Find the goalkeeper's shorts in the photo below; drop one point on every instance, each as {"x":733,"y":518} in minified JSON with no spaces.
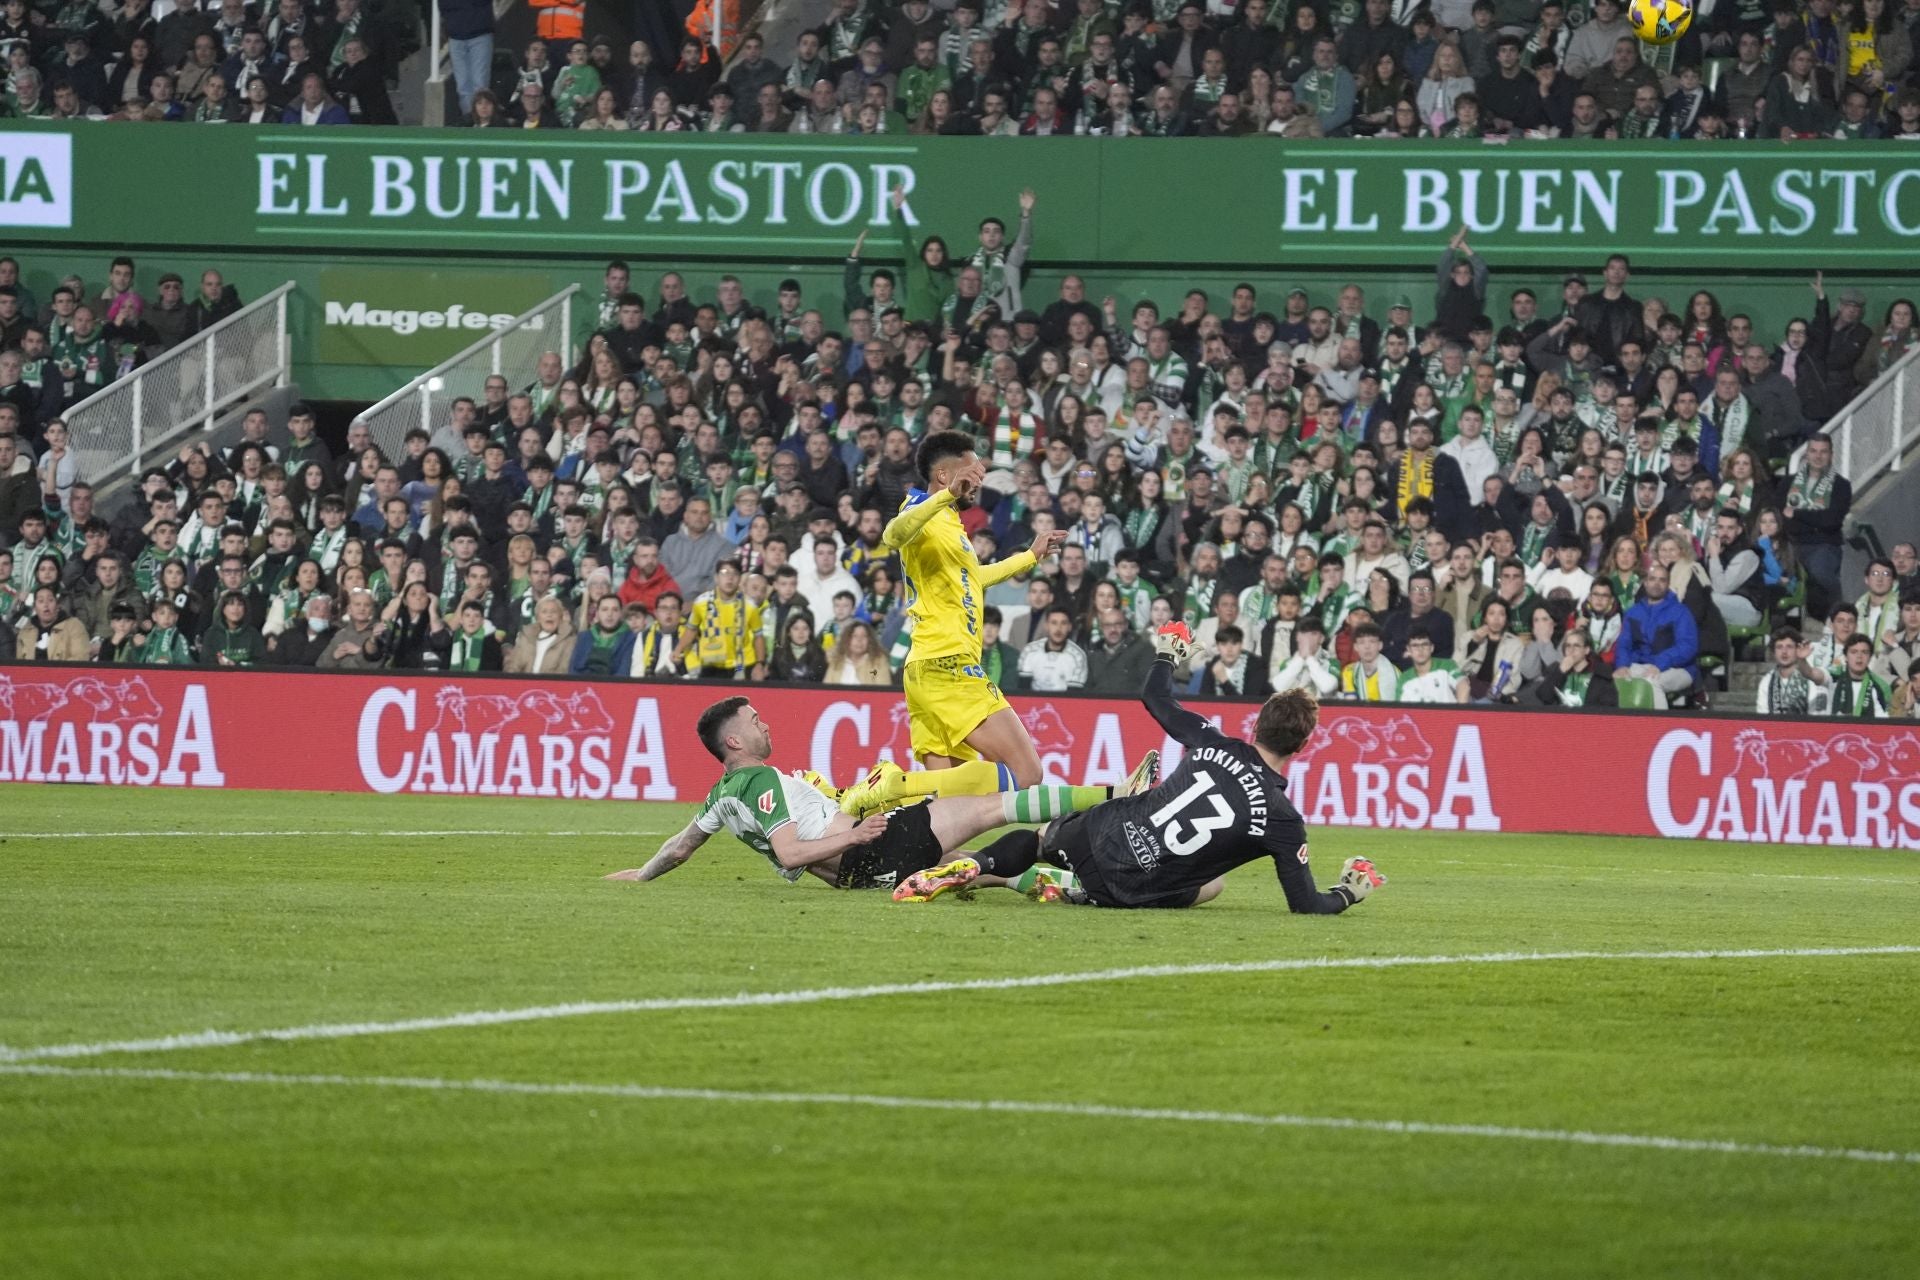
{"x":947,"y":698}
{"x":908,"y":845}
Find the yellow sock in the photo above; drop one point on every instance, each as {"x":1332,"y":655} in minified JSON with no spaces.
{"x":974,"y":778}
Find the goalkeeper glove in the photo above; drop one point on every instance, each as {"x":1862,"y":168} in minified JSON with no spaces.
{"x":1174,"y":641}
{"x":1357,"y":879}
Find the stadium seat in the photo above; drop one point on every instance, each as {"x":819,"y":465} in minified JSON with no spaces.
{"x":1635,"y":695}
{"x":1795,"y":599}
{"x":1759,"y":631}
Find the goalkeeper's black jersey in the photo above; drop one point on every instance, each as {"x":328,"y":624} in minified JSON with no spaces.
{"x":1221,"y":808}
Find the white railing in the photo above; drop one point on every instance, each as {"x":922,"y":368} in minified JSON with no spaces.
{"x":1873,"y":433}
{"x":117,"y":427}
{"x":512,"y":351}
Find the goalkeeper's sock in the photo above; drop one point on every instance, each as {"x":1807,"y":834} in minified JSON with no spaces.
{"x":1043,"y":803}
{"x":974,"y":778}
{"x":1012,"y":854}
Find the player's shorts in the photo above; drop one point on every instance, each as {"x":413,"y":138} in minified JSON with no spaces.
{"x":1068,"y":842}
{"x":947,"y":698}
{"x":907,"y":846}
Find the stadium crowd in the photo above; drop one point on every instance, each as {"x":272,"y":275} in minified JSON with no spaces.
{"x":1230,"y":68}
{"x":1153,"y":68}
{"x":214,"y":62}
{"x":1587,"y":502}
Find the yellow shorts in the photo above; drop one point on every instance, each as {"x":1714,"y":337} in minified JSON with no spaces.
{"x":947,"y":698}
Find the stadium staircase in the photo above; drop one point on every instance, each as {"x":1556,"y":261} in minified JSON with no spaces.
{"x":196,"y":391}
{"x":1876,"y":443}
{"x":513,"y":352}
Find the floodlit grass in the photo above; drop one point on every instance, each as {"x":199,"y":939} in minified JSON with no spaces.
{"x":309,"y":918}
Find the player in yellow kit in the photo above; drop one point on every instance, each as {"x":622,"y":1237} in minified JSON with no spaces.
{"x":964,"y":732}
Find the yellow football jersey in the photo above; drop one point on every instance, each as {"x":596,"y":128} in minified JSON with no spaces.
{"x":946,"y":583}
{"x":725,"y":630}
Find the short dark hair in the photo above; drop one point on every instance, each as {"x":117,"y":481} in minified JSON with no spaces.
{"x":937,"y":448}
{"x":1230,"y":635}
{"x":1286,"y":722}
{"x":713,"y":722}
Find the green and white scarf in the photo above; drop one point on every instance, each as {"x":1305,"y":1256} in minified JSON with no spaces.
{"x":1199,"y":594}
{"x":453,"y":577}
{"x":1656,"y":462}
{"x":992,"y":264}
{"x":1533,"y":542}
{"x":466,"y":652}
{"x":1810,"y":492}
{"x":165,"y":647}
{"x":146,"y":568}
{"x":326,"y":547}
{"x":1139,"y":524}
{"x":1731,"y":422}
{"x":1788,"y":695}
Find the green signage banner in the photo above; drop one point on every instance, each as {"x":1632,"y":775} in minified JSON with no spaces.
{"x":394,"y":315}
{"x":1201,"y":203}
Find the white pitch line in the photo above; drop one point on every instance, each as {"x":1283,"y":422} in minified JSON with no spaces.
{"x":818,"y":995}
{"x":995,"y":1106}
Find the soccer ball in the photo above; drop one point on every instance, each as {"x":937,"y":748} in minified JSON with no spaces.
{"x":1660,"y":21}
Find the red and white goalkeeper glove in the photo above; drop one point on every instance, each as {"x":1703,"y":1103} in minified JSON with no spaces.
{"x":1358,"y":878}
{"x":1174,"y":641}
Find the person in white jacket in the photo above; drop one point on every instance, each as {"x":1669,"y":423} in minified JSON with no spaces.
{"x":1470,"y":449}
{"x":1311,"y":666}
{"x":1562,"y":570}
{"x":823,"y":579}
{"x":1376,"y":552}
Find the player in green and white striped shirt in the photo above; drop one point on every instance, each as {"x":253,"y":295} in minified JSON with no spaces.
{"x":799,"y":827}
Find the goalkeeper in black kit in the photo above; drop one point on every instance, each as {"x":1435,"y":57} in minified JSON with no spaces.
{"x":1225,"y":805}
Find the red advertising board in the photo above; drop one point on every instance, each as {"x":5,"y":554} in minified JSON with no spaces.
{"x":1409,"y":768}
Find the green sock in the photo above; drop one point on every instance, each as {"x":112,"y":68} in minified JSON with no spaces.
{"x":1040,"y":871}
{"x":1044,"y":803}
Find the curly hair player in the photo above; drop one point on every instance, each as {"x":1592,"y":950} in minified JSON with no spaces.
{"x":1225,"y":805}
{"x":963,"y":730}
{"x":791,"y":822}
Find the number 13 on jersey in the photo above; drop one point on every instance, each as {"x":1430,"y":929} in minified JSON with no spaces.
{"x":1185,"y":826}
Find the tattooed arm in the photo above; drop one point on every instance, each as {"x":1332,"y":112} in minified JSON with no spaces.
{"x":675,"y":851}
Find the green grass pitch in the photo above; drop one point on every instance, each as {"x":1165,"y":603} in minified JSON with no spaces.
{"x":770,"y":1152}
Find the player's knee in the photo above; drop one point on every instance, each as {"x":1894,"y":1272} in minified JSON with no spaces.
{"x":1028,"y":773}
{"x":1211,"y":890}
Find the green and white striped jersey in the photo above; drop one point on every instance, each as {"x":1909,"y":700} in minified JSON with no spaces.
{"x":755,"y":802}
